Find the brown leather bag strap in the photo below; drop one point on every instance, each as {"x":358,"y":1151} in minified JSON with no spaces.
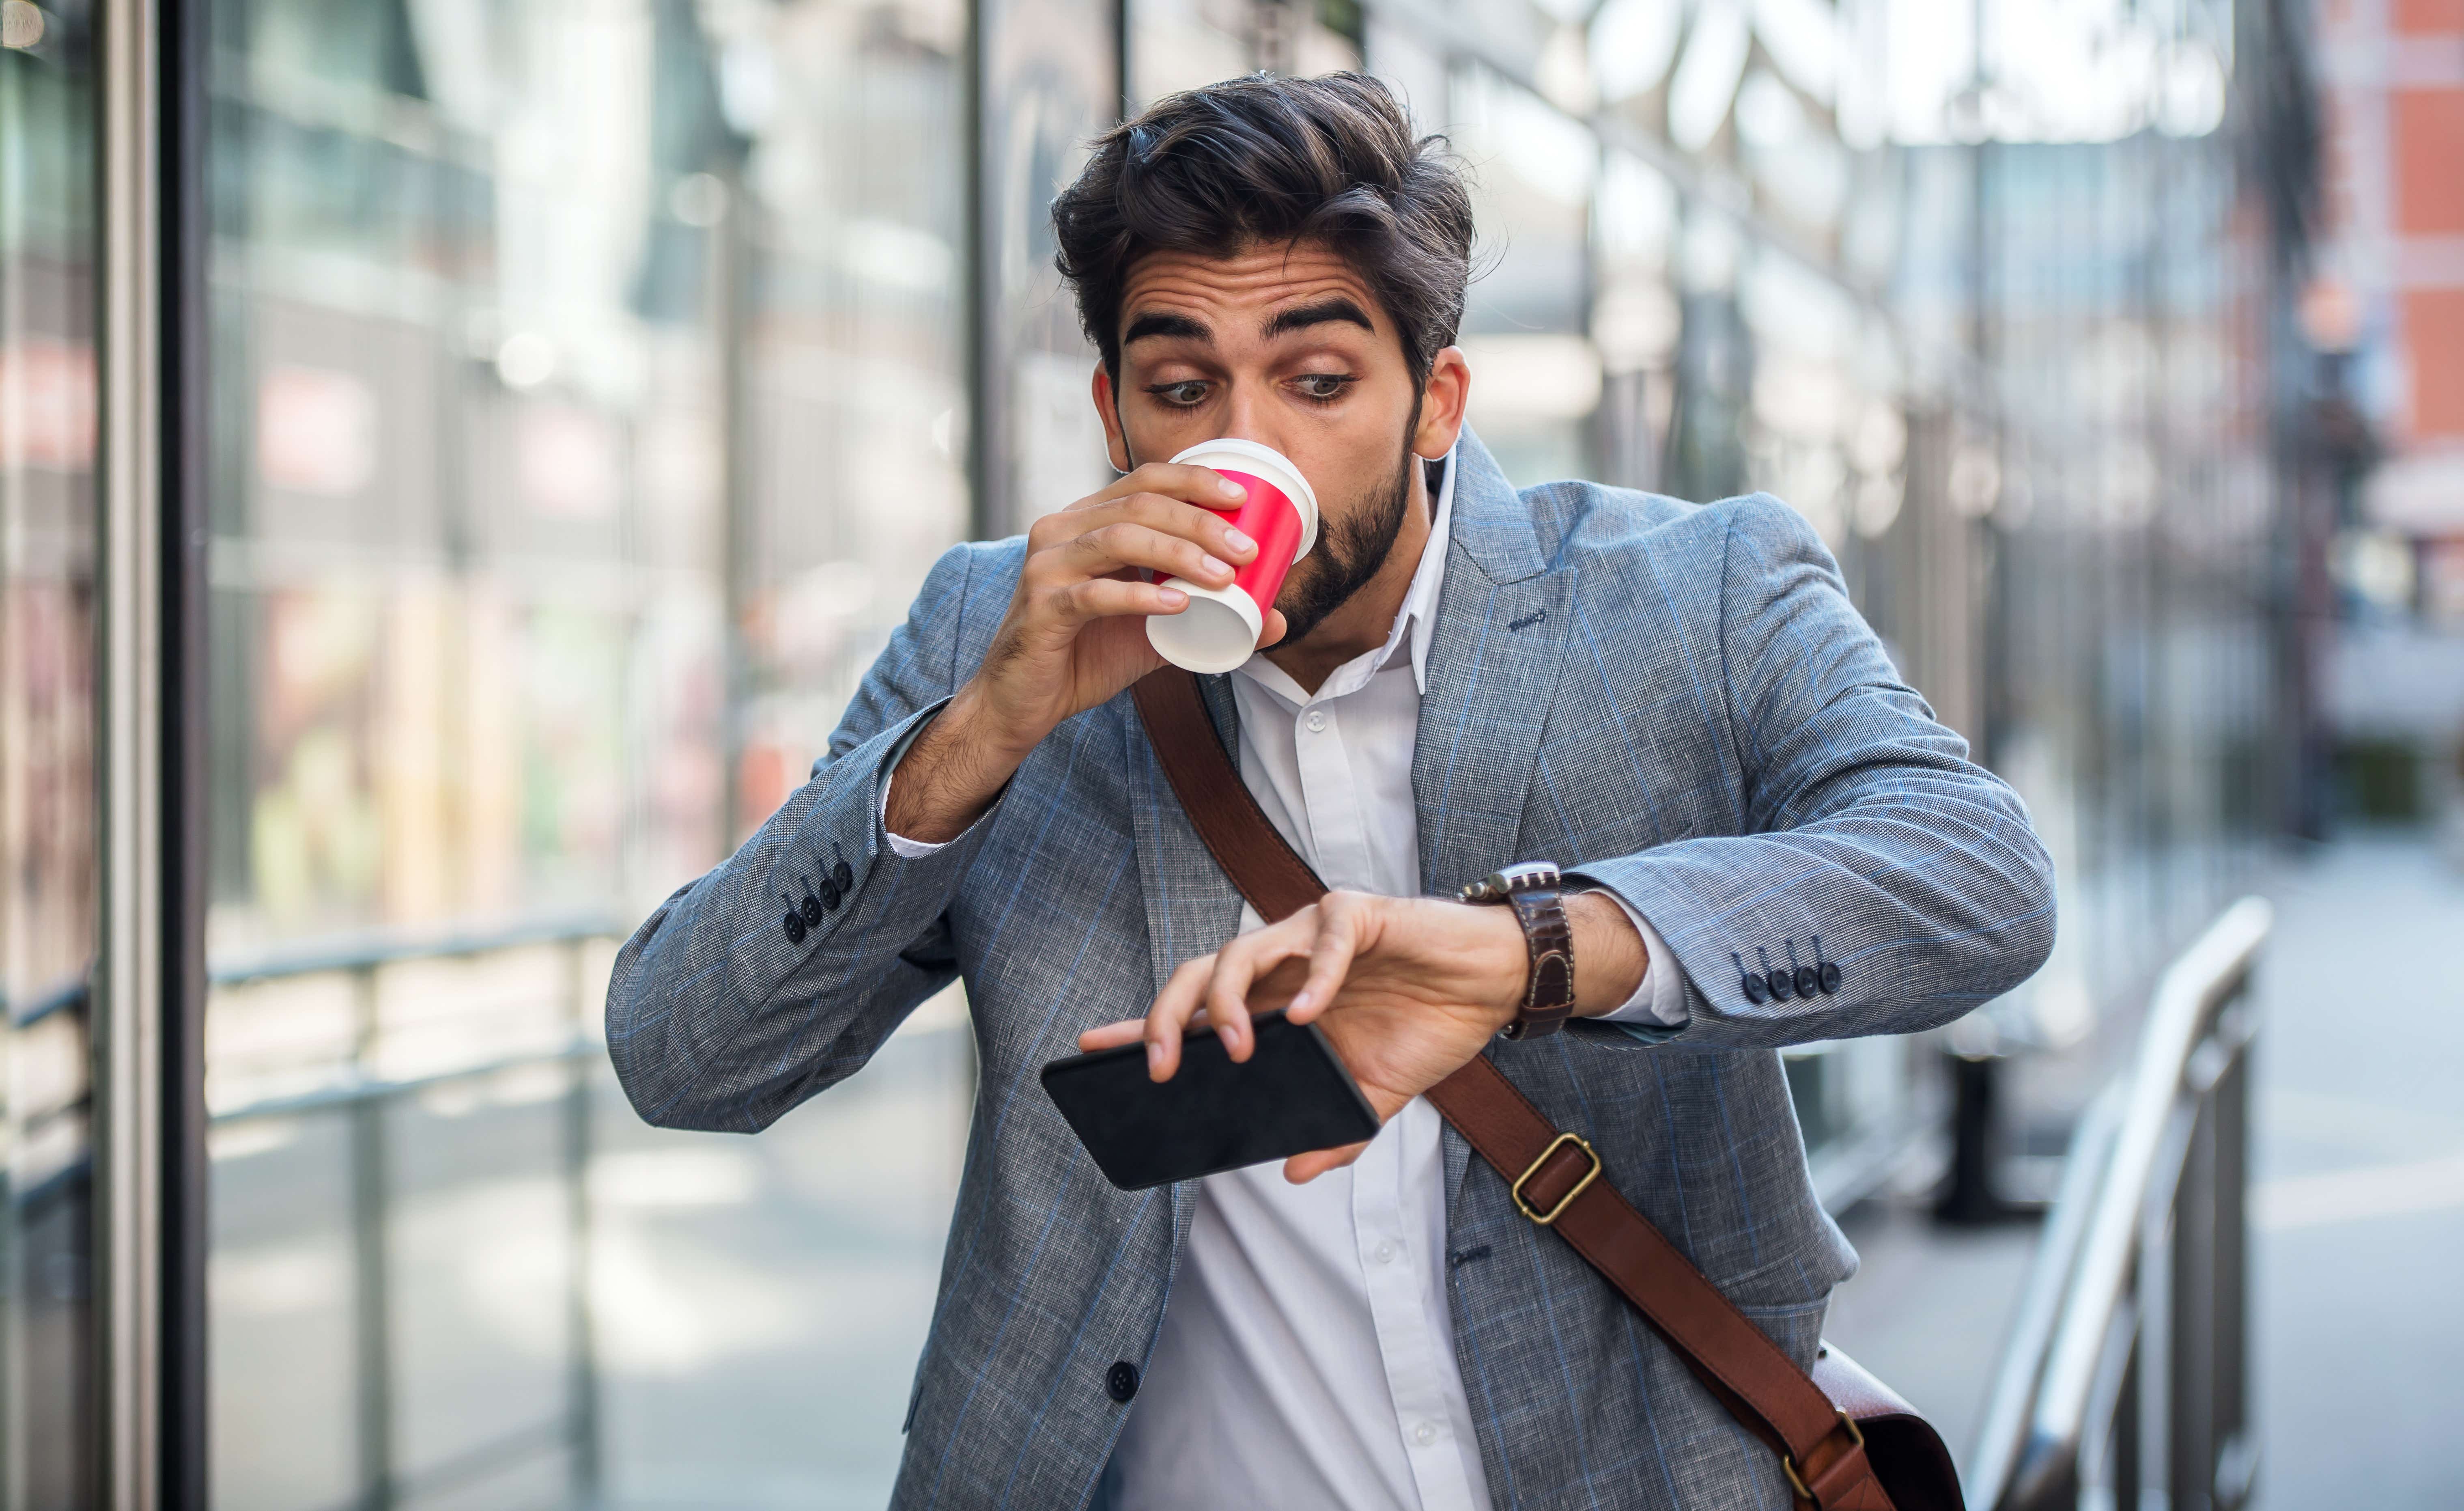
{"x":1553,"y":1177}
{"x":1263,"y":867}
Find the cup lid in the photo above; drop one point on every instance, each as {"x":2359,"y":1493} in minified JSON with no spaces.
{"x":1229,"y":454}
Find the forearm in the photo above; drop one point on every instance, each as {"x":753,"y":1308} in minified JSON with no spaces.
{"x":951,"y":775}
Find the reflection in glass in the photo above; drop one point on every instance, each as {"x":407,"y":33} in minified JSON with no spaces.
{"x":48,"y":887}
{"x":589,"y":399}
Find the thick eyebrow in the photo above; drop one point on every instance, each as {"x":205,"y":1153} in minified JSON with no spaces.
{"x":1181,"y":325}
{"x":1300,"y":317}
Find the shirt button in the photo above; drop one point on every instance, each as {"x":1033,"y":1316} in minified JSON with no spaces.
{"x":1425,"y":1433}
{"x":1317,"y":721}
{"x":1384,"y":1253}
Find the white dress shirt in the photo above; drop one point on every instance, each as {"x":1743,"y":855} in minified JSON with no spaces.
{"x":1306,"y":1355}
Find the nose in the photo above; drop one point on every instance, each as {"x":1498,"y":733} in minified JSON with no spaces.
{"x":1249,"y":418}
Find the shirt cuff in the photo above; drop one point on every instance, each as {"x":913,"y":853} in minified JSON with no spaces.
{"x":1660,"y":998}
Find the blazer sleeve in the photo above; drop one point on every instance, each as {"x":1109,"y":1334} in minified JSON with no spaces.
{"x":717,"y":1019}
{"x":1871,"y":841}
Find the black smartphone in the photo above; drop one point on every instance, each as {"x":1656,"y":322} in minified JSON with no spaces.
{"x":1291,"y":1097}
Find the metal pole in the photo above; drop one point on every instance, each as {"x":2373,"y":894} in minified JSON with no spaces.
{"x":129,"y":997}
{"x":729,"y":246}
{"x":182,"y":1393}
{"x":2237,"y":1454}
{"x":2126,"y":1433}
{"x":2189,"y":1443}
{"x":583,"y":1382}
{"x":371,"y":1291}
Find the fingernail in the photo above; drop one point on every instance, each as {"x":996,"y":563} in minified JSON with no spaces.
{"x":1239,"y":542}
{"x":1300,"y":1003}
{"x":1230,"y":489}
{"x":1213,"y":568}
{"x":1155,"y":1059}
{"x":1173,"y":597}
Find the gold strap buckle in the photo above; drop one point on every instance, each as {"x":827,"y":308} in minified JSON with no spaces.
{"x":1788,"y":1461}
{"x":1544,"y":1219}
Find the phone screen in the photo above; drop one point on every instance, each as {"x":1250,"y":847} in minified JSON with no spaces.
{"x":1291,"y":1097}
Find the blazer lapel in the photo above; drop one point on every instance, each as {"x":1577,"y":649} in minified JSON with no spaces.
{"x":1493,"y":657}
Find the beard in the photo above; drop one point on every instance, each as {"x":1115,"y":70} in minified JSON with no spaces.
{"x":1352,"y":543}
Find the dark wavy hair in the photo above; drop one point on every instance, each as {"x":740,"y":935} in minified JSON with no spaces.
{"x":1265,"y":161}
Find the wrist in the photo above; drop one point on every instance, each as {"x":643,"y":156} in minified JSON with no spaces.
{"x":1506,"y":957}
{"x":950,"y":775}
{"x":1609,"y":956}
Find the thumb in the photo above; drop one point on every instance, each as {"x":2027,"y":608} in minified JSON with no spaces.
{"x":1302,"y":1168}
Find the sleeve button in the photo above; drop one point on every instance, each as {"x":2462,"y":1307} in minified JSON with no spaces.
{"x":841,"y":877}
{"x":1121,"y":1381}
{"x":793,"y":926}
{"x":1755,"y":992}
{"x":1782,"y":988}
{"x":1830,"y":982}
{"x":1803,"y":980}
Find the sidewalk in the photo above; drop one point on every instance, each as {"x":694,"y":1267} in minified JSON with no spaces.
{"x":2358,"y":1298}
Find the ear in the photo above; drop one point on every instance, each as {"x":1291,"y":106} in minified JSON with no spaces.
{"x":1108,"y":408}
{"x":1442,"y":399}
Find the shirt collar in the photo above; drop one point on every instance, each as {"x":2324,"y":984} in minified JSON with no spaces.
{"x":1414,"y":624}
{"x":1420,"y":601}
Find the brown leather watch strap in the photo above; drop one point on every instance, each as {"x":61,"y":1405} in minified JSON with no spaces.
{"x":1535,"y":892}
{"x":1553,"y":1177}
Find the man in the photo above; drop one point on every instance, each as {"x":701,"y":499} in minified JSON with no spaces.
{"x":1768,"y":838}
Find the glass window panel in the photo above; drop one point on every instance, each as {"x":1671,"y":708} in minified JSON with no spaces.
{"x":48,"y":888}
{"x":590,"y":398}
{"x":1526,"y":322}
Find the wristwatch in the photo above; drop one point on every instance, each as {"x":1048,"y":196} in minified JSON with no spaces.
{"x":1532,"y":890}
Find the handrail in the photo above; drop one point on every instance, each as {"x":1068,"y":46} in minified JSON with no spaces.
{"x":355,"y":1089}
{"x":2031,"y":1331}
{"x":361,"y":951}
{"x":359,"y":1099}
{"x":59,"y":997}
{"x":2088,"y":1269}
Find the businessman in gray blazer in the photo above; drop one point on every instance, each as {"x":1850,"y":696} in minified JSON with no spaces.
{"x":1767,"y":839}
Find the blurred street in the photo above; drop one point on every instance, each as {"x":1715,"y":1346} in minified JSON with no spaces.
{"x":2358,"y":1211}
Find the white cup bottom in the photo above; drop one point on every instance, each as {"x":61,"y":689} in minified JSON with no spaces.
{"x":1216,"y":632}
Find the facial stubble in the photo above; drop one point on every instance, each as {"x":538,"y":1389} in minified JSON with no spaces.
{"x":1351,"y":545}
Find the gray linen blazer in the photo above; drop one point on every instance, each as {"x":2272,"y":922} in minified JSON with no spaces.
{"x":1677,"y":702}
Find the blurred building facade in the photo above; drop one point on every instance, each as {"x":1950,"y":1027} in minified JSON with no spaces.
{"x":2386,"y":310}
{"x":581,"y":388}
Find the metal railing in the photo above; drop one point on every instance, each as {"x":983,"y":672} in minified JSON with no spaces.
{"x":362,"y":1097}
{"x":2131,"y":1349}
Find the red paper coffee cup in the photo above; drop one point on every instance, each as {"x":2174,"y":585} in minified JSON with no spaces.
{"x":1220,"y":627}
